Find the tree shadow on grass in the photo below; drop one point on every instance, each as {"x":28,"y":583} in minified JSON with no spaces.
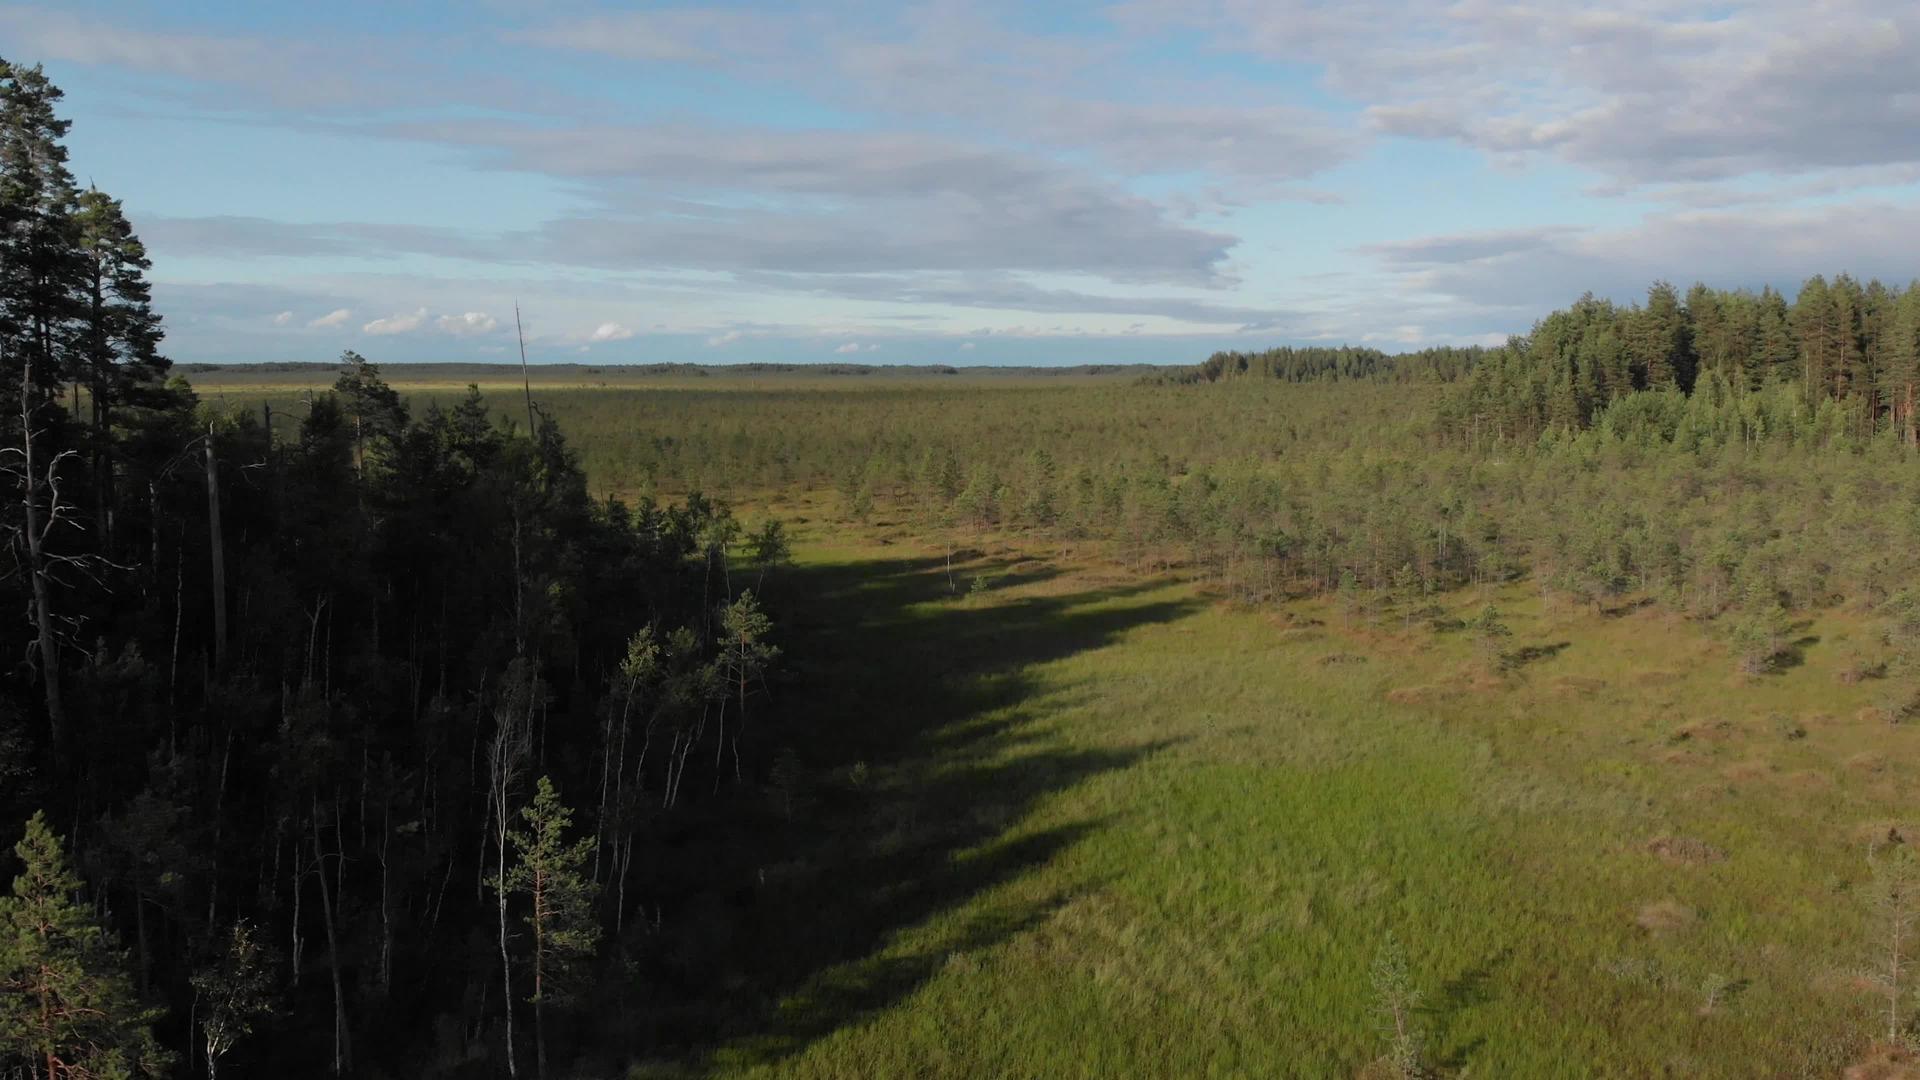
{"x":1467,"y":990}
{"x":1628,"y":607}
{"x":1527,"y":654}
{"x":1793,"y":654}
{"x":910,"y":720}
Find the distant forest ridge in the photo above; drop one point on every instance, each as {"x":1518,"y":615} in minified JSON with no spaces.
{"x":1841,"y":358}
{"x":1333,"y":363}
{"x":481,"y":370}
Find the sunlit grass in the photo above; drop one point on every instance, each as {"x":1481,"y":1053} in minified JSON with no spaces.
{"x":1302,"y":790}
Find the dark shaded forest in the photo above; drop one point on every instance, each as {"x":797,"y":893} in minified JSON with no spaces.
{"x":361,"y":727}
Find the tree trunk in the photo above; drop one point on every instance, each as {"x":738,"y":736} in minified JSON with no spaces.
{"x":47,"y":644}
{"x":217,"y":546}
{"x":500,"y":780}
{"x":506,"y":961}
{"x":386,"y":896}
{"x":342,"y":1053}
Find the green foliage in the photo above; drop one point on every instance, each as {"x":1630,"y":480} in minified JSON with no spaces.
{"x":768,"y":546}
{"x":1342,"y":364}
{"x":1349,"y":596}
{"x":787,"y":784}
{"x":1398,"y":1000}
{"x":1901,"y":634}
{"x":1894,"y":901}
{"x":1758,"y":635}
{"x":66,"y":1004}
{"x":1490,"y":634}
{"x":232,"y":994}
{"x":550,"y":872}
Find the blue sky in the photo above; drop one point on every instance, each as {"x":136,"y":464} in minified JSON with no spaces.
{"x":1140,"y":181}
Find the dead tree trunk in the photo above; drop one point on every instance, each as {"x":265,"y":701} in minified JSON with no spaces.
{"x":36,"y":529}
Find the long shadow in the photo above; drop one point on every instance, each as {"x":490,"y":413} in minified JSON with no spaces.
{"x":1459,"y":994}
{"x":1527,"y":654}
{"x":1794,"y":653}
{"x":905,"y":716}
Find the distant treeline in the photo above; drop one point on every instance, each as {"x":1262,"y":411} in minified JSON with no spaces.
{"x":1345,"y":363}
{"x":1843,"y":359}
{"x":450,"y":371}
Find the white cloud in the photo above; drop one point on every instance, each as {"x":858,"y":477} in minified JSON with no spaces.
{"x":336,"y":317}
{"x":473,"y":322}
{"x":610,"y":331}
{"x":283,"y":319}
{"x":718,"y":341}
{"x":1643,"y":92}
{"x":849,"y":347}
{"x":1526,"y":272}
{"x":966,"y":346}
{"x":396,"y":324}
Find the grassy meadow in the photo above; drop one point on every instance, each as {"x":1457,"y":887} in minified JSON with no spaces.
{"x":1159,"y":835}
{"x":1062,"y":810}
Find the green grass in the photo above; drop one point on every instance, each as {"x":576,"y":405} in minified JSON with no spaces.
{"x":1113,"y":828}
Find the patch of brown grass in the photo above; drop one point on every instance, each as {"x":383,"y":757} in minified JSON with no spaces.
{"x":1807,"y":780}
{"x":1879,"y":831}
{"x":1685,"y":850}
{"x":1577,"y":685}
{"x":1885,"y":1062}
{"x":1665,"y":917}
{"x":1707,"y":730}
{"x":1415,"y":695}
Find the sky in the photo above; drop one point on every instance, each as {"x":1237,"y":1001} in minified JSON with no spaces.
{"x":1060,"y":183}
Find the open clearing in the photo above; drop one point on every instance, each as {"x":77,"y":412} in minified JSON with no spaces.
{"x":1094,"y":824}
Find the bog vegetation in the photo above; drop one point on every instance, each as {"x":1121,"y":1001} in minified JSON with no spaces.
{"x":1534,"y":710}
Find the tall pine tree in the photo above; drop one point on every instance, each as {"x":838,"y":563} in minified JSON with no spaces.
{"x":67,"y":1007}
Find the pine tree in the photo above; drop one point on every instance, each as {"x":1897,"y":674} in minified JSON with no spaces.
{"x":119,"y":361}
{"x":1779,"y":355}
{"x":67,"y":1007}
{"x":1816,"y":331}
{"x":552,"y":873}
{"x":1900,"y":368}
{"x":1398,"y":1001}
{"x":1895,"y":899}
{"x":41,"y":275}
{"x":744,"y":657}
{"x":42,"y":267}
{"x":375,"y":409}
{"x":1662,"y":356}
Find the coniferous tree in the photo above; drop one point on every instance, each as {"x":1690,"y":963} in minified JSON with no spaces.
{"x":41,"y":273}
{"x":551,"y":872}
{"x":118,"y":361}
{"x":67,"y":1007}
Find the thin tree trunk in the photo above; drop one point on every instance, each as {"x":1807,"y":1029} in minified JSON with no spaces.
{"x":218,"y":549}
{"x":386,"y":894}
{"x":342,"y":1053}
{"x":48,"y":646}
{"x":500,"y":782}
